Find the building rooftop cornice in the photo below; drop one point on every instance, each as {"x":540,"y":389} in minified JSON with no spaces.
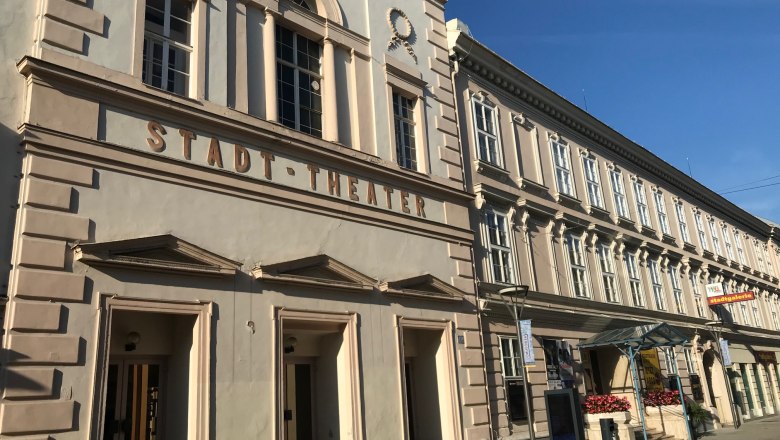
{"x":492,"y":68}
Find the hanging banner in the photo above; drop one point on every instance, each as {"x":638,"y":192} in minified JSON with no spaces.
{"x":724,"y":352}
{"x":528,"y":342}
{"x":652,"y":368}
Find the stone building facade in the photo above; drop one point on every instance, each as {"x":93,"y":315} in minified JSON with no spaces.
{"x":607,"y":236}
{"x":234,"y":219}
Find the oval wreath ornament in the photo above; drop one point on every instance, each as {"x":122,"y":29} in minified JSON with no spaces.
{"x":398,"y":37}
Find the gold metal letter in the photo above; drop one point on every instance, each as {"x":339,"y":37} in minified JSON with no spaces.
{"x":156,"y":142}
{"x":267,"y":159}
{"x":241,"y":159}
{"x":351,"y":182}
{"x":420,"y":203}
{"x":405,"y":202}
{"x":215,"y":153}
{"x":334,"y":183}
{"x":313,"y":171}
{"x":371,"y":194}
{"x":388,"y":191}
{"x":187,"y":138}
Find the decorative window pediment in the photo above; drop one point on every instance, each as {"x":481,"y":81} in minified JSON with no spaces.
{"x":423,"y":287}
{"x":317,"y":271}
{"x":160,"y":253}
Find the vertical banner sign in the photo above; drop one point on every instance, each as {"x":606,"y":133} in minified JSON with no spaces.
{"x":724,"y":350}
{"x":528,"y":341}
{"x":652,"y":368}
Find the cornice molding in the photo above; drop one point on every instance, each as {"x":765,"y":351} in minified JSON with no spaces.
{"x":495,"y":70}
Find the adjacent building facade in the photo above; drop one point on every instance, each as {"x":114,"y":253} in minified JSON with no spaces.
{"x":607,"y":236}
{"x":235,"y":219}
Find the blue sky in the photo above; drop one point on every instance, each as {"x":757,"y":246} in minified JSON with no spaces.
{"x":697,"y":79}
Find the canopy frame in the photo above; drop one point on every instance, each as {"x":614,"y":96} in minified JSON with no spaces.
{"x":630,"y":341}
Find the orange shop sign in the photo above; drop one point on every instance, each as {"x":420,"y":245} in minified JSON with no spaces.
{"x":732,"y":298}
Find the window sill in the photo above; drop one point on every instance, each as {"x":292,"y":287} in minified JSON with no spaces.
{"x":492,"y":170}
{"x":647,"y":230}
{"x":624,"y":222}
{"x":690,"y":247}
{"x":666,"y":238}
{"x":597,"y":211}
{"x":528,"y":184}
{"x":707,"y":254}
{"x":566,"y":199}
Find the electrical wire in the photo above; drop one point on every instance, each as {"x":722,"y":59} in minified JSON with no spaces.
{"x":748,"y":189}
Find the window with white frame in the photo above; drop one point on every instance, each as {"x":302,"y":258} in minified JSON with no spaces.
{"x":634,"y":279}
{"x":775,"y":316}
{"x":732,"y":313}
{"x":759,"y":255}
{"x":641,"y":203}
{"x":592,"y":181}
{"x":660,"y":208}
{"x":698,"y":300}
{"x":674,"y":278}
{"x":700,"y":231}
{"x":167,"y":47}
{"x":727,"y":242}
{"x":655,"y":282}
{"x":405,"y":144}
{"x":743,"y":308}
{"x":714,"y":235}
{"x":689,"y":362}
{"x":577,"y":268}
{"x":740,"y":249}
{"x":486,"y":130}
{"x":299,"y":81}
{"x":511,"y":366}
{"x":671,"y":368}
{"x":757,"y":315}
{"x":560,"y":152}
{"x":769,"y":269}
{"x":608,"y":278}
{"x":679,"y":209}
{"x":499,"y":246}
{"x":618,"y":193}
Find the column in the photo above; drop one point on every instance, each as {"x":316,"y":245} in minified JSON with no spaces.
{"x":752,"y":383}
{"x":329,"y":101}
{"x":269,"y":67}
{"x":766,"y":384}
{"x":240,"y":87}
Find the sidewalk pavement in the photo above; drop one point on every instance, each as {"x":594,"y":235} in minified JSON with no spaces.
{"x":765,"y":428}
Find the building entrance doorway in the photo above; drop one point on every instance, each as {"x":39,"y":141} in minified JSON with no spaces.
{"x":298,"y":401}
{"x":134,"y":393}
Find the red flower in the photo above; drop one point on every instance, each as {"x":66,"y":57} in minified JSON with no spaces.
{"x":604,"y":403}
{"x":659,"y":398}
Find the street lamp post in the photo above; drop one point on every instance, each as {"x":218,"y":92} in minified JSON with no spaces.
{"x":716,"y":328}
{"x":514,"y":292}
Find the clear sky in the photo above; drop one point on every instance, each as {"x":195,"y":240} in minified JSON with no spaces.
{"x":694,"y":80}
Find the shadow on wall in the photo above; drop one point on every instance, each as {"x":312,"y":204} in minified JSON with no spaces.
{"x":10,"y":173}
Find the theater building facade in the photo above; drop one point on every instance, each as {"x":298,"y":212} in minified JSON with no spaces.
{"x":606,"y":236}
{"x":235,"y":219}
